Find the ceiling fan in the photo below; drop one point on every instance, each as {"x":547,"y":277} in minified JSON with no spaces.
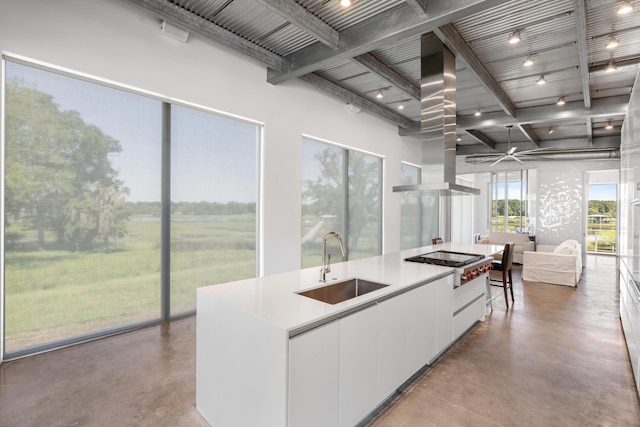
{"x":510,"y":154}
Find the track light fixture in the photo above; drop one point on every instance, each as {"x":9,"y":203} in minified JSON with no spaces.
{"x":401,"y":107}
{"x":541,"y":80}
{"x":528,"y":61}
{"x":514,"y":37}
{"x":551,"y":130}
{"x":477,"y":113}
{"x":609,"y":126}
{"x":624,"y":7}
{"x":612,"y":43}
{"x":345,"y":3}
{"x":379,"y":94}
{"x":610,"y":67}
{"x":458,"y":138}
{"x":561,"y":101}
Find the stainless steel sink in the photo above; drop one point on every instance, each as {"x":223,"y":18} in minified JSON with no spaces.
{"x":342,"y":291}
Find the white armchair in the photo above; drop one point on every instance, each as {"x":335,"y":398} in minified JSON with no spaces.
{"x":558,"y":265}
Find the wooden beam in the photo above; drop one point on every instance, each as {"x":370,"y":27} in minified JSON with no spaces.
{"x":583,"y":57}
{"x":387,"y":74}
{"x":482,"y":138}
{"x":528,"y":131}
{"x":419,"y":6}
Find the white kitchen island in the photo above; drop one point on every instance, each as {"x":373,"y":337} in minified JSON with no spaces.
{"x":267,"y":356}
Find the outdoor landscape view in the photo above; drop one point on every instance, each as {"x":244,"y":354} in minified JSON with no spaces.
{"x":83,"y":203}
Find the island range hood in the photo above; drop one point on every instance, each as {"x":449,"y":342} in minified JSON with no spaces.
{"x":438,"y":123}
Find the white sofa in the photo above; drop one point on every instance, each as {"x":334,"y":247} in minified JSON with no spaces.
{"x":558,"y":265}
{"x":521,"y":241}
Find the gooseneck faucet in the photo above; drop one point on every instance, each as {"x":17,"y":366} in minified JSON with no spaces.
{"x":326,"y":258}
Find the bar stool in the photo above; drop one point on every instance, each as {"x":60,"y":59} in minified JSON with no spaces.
{"x":505,"y":267}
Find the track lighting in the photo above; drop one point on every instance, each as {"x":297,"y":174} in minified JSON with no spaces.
{"x":609,"y":126}
{"x":528,"y":61}
{"x":541,"y":80}
{"x":345,"y":3}
{"x":514,"y":37}
{"x":477,"y":113}
{"x":458,"y":138}
{"x":610,"y":67}
{"x":612,"y":43}
{"x":551,"y":130}
{"x":379,"y":94}
{"x":561,"y":101}
{"x":401,"y":107}
{"x":624,"y":7}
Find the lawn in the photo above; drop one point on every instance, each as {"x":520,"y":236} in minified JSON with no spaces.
{"x":52,"y":295}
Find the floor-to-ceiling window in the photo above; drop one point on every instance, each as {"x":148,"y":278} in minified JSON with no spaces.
{"x":419,"y":213}
{"x":508,"y":203}
{"x":89,"y":172}
{"x":602,"y":211}
{"x":341,"y":192}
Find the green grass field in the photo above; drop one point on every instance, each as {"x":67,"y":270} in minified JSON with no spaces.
{"x":52,"y":295}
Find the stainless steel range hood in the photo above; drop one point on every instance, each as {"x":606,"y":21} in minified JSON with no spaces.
{"x":438,"y":122}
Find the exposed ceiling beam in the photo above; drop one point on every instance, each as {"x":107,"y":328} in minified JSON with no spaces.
{"x":387,"y":74}
{"x":589,"y":130}
{"x":611,"y":107}
{"x":305,"y":20}
{"x":383,"y":29}
{"x":601,"y":107}
{"x":419,"y":6}
{"x":605,"y":142}
{"x":583,"y":57}
{"x":348,"y":96}
{"x":176,"y":15}
{"x":482,"y":138}
{"x":454,"y":41}
{"x":528,"y":131}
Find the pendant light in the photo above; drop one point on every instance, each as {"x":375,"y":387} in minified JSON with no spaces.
{"x":612,"y":43}
{"x":541,"y":81}
{"x":514,"y":37}
{"x":624,"y":7}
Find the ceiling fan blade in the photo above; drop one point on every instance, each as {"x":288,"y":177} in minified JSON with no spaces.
{"x":517,"y":160}
{"x":497,"y":161}
{"x":512,"y":150}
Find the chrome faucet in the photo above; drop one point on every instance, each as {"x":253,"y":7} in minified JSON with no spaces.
{"x":326,"y":258}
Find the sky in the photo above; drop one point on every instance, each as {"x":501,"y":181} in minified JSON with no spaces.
{"x":213,"y":158}
{"x":602,"y":192}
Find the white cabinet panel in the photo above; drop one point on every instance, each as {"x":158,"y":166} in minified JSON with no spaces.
{"x":358,"y":365}
{"x":392,"y":339}
{"x":421,"y":328}
{"x":313,"y":377}
{"x":444,"y":313}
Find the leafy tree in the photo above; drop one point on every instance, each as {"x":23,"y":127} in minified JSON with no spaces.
{"x":54,"y":164}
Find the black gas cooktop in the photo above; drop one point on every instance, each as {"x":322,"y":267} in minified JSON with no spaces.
{"x":446,"y":258}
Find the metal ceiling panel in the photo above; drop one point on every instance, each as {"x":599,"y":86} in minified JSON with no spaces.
{"x":341,"y":18}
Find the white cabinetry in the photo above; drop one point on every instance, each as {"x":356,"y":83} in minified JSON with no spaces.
{"x":630,"y":318}
{"x":358,"y":364}
{"x":313,"y":377}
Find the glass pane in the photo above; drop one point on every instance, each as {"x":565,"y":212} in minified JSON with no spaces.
{"x":602,"y":219}
{"x":214,"y":192}
{"x":365,"y":205}
{"x":411,"y":210}
{"x":82,"y":205}
{"x":323,"y":198}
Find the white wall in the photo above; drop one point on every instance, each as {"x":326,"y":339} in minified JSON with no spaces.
{"x":116,"y":41}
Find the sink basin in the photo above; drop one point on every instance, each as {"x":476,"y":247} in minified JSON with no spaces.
{"x":341,"y":291}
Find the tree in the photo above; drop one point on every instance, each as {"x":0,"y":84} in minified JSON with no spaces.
{"x":53,"y":162}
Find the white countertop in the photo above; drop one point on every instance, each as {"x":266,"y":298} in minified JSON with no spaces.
{"x":273,"y":298}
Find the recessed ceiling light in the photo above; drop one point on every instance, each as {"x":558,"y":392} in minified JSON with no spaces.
{"x":528,"y":61}
{"x":379,"y":94}
{"x":612,"y":43}
{"x":561,"y":101}
{"x":514,"y":37}
{"x":609,"y":126}
{"x":477,"y":113}
{"x":541,"y":80}
{"x":401,"y":107}
{"x":345,"y":3}
{"x":624,"y":7}
{"x":610,"y":67}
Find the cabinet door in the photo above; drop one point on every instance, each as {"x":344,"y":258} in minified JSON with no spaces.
{"x":444,"y":313}
{"x":406,"y":336}
{"x":313,"y":377}
{"x":358,"y":364}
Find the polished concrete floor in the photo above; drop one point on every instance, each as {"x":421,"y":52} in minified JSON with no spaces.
{"x":556,"y":358}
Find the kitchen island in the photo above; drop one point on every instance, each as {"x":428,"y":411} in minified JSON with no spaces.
{"x":268,"y":356}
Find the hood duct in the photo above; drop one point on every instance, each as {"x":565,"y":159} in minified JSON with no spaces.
{"x":438,"y":122}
